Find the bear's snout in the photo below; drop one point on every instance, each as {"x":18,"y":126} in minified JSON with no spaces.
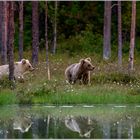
{"x":32,"y":69}
{"x":93,"y":67}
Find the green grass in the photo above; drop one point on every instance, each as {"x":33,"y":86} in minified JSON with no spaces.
{"x":7,"y":97}
{"x":109,"y":85}
{"x":99,"y":94}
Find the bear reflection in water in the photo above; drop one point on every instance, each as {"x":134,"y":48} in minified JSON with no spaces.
{"x":82,"y":125}
{"x":22,"y":123}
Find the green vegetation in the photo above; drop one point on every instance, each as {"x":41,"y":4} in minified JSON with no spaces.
{"x":7,"y":97}
{"x":109,"y":85}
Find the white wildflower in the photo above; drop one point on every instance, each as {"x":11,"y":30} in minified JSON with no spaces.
{"x":44,"y":84}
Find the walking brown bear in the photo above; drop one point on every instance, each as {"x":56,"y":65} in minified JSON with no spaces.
{"x":79,"y":71}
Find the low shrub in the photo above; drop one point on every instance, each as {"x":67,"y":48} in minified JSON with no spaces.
{"x":23,"y":96}
{"x":5,"y":83}
{"x":115,"y":78}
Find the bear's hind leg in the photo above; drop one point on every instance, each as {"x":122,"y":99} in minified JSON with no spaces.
{"x":73,"y":80}
{"x":69,"y":79}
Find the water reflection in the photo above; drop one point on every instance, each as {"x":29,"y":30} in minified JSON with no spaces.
{"x":77,"y":122}
{"x":22,"y":122}
{"x":82,"y":125}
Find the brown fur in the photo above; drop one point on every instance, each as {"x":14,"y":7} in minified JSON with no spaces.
{"x":79,"y":71}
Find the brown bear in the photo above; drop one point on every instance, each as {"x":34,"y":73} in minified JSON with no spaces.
{"x":20,"y":68}
{"x":79,"y":71}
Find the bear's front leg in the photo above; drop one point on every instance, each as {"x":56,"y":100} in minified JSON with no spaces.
{"x":80,"y":79}
{"x":86,"y":78}
{"x":21,"y":79}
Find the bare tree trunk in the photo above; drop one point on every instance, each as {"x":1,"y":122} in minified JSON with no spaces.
{"x":20,"y":30}
{"x":46,"y":38}
{"x":107,"y":30}
{"x":1,"y":5}
{"x":119,"y":34}
{"x":132,"y":37}
{"x":3,"y":32}
{"x":55,"y":30}
{"x":10,"y":41}
{"x":35,"y":32}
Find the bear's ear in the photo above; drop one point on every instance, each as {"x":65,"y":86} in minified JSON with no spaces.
{"x":23,"y":61}
{"x":89,"y":59}
{"x":82,"y":61}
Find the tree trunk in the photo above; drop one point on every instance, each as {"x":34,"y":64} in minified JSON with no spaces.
{"x":107,"y":30}
{"x":55,"y":30}
{"x":3,"y":32}
{"x":119,"y":34}
{"x":10,"y":40}
{"x":1,"y":9}
{"x":132,"y":37}
{"x":35,"y":32}
{"x":46,"y":38}
{"x":20,"y":30}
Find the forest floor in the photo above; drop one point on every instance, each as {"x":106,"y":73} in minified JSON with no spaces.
{"x":109,"y":84}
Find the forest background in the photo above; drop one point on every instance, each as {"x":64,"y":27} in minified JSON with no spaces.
{"x":79,"y":26}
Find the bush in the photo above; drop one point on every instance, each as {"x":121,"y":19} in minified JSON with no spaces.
{"x":119,"y":78}
{"x":43,"y":91}
{"x":5,"y":83}
{"x":86,"y":41}
{"x":24,"y":96}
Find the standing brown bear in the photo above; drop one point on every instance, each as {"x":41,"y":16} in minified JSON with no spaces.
{"x":79,"y":71}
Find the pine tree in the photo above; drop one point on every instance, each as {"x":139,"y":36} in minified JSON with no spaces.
{"x":10,"y":40}
{"x":107,"y":30}
{"x":3,"y":32}
{"x":46,"y":39}
{"x":20,"y":30}
{"x":132,"y":37}
{"x":119,"y":34}
{"x":35,"y":32}
{"x":55,"y":30}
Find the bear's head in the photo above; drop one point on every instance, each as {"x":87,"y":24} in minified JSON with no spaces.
{"x":26,"y":65}
{"x":86,"y":64}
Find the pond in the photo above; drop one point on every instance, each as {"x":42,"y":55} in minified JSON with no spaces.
{"x":82,"y":121}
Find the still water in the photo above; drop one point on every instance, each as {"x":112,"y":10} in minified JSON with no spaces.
{"x":97,"y":121}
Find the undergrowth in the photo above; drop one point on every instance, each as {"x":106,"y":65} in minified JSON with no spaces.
{"x":108,"y":84}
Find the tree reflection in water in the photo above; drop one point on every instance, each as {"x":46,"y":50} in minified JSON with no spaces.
{"x":39,"y":122}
